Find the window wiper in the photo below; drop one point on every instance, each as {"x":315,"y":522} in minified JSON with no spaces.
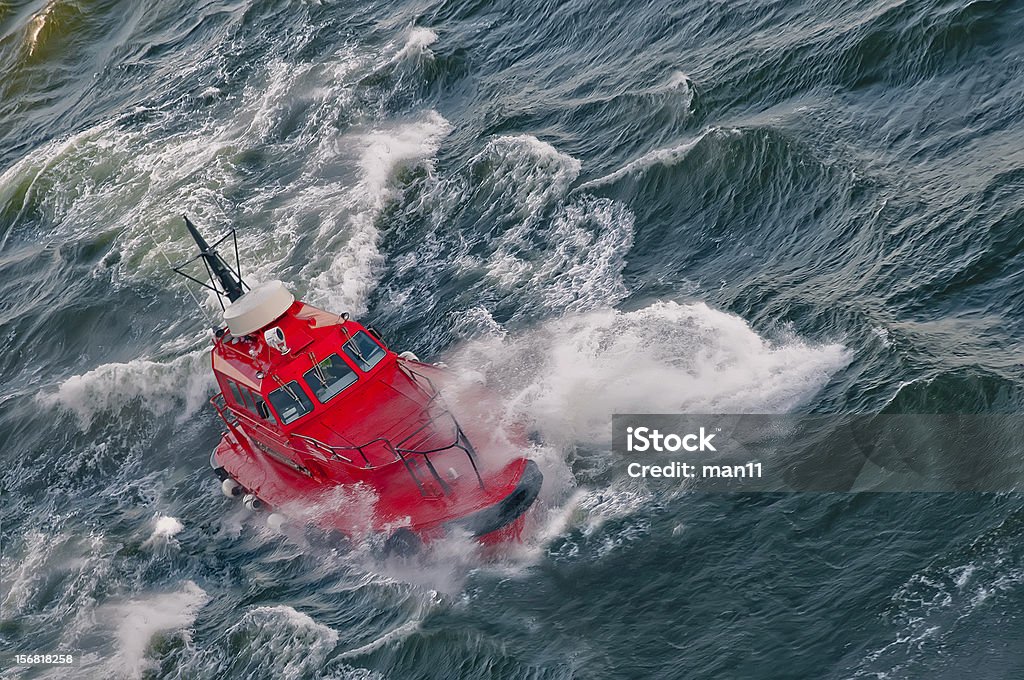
{"x":318,"y":371}
{"x":355,"y":348}
{"x":287,"y":389}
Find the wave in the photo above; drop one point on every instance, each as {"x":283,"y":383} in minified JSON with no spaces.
{"x":268,"y":641}
{"x":36,"y":26}
{"x":569,"y":375}
{"x":943,"y":604}
{"x":666,"y":157}
{"x":581,"y":256}
{"x":522,"y":176}
{"x":79,"y":561}
{"x":510,"y":216}
{"x":48,"y":569}
{"x":387,"y":638}
{"x":141,"y":619}
{"x":349,"y":275}
{"x":677,"y":81}
{"x":417,"y":44}
{"x":182,"y":384}
{"x":49,"y":28}
{"x":132,"y":175}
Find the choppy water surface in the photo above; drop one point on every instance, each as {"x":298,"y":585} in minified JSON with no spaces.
{"x":704,"y":206}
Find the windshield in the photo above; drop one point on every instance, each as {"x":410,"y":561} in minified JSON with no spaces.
{"x":290,"y":402}
{"x":329,"y":377}
{"x":363,"y":351}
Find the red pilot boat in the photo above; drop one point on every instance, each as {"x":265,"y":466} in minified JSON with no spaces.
{"x":324,"y":420}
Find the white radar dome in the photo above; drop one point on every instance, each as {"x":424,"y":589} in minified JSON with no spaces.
{"x":260,"y":307}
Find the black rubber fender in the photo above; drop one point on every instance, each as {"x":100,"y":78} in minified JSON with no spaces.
{"x":508,"y":509}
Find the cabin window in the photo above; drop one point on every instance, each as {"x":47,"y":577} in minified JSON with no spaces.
{"x":249,"y":400}
{"x":256,"y":404}
{"x":329,"y":377}
{"x":261,"y":407}
{"x":290,"y":402}
{"x":235,"y":395}
{"x":364,"y":352}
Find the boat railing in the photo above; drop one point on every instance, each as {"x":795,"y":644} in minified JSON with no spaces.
{"x":458,"y":440}
{"x":415,"y":376}
{"x":232,"y":417}
{"x":461,"y":441}
{"x":407,"y":454}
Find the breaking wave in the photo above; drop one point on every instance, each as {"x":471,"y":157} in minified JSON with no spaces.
{"x":570,"y":374}
{"x":182,"y":385}
{"x":345,"y":280}
{"x":141,"y":619}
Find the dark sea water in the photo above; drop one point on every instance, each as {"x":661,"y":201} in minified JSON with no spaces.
{"x":700,"y":206}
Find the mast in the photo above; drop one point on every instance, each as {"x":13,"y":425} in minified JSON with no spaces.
{"x":230,"y":281}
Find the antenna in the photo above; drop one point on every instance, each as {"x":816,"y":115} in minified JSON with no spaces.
{"x":217,"y":270}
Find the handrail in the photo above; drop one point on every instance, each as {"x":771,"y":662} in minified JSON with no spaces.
{"x":460,"y":436}
{"x":220,"y":404}
{"x":326,"y":448}
{"x":413,"y":374}
{"x":333,"y":450}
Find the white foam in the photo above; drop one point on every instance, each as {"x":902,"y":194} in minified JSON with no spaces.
{"x":591,"y":238}
{"x":883,"y":335}
{"x":344,"y":502}
{"x":140,"y":619}
{"x":165,"y":528}
{"x":352,"y":673}
{"x":109,"y":180}
{"x":569,"y":375}
{"x":417,"y":43}
{"x":182,"y":384}
{"x":440,"y":568}
{"x":621,"y":499}
{"x":118,"y":177}
{"x":353,"y":268}
{"x":322,"y":86}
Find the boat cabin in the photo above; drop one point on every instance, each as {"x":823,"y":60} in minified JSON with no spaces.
{"x":299,"y":365}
